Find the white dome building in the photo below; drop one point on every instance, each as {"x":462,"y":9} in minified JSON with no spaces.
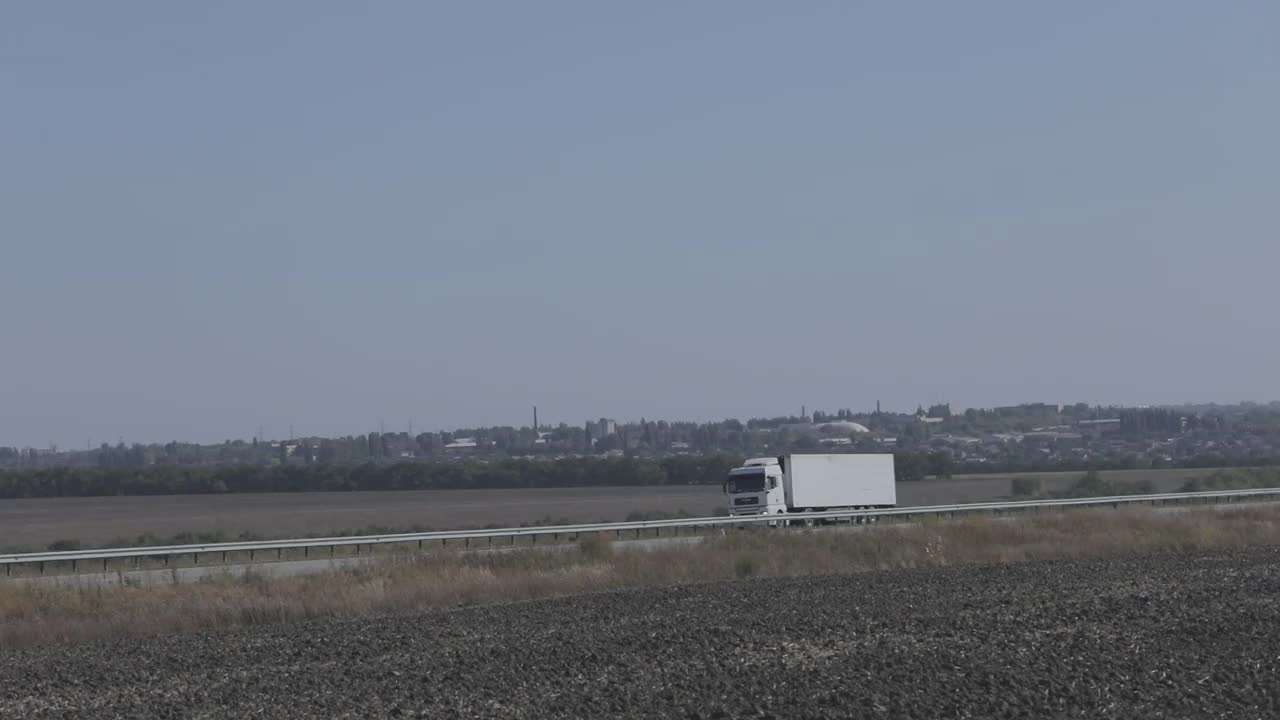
{"x":847,"y":427}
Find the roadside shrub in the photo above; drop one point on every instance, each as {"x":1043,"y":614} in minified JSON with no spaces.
{"x":64,"y":545}
{"x":1240,"y":479}
{"x":596,"y":547}
{"x":1092,"y":484}
{"x":745,"y":566}
{"x":1025,"y":486}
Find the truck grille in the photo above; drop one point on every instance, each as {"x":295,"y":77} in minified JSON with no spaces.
{"x":746,"y":501}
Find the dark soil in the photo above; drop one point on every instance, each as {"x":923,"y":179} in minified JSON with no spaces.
{"x":1172,"y":636}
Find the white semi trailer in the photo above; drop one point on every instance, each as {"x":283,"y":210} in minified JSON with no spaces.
{"x":811,"y":483}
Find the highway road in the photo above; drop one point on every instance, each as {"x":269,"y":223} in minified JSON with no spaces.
{"x":33,"y":524}
{"x":286,"y":568}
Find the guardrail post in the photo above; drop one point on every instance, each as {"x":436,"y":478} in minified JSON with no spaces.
{"x":332,"y":550}
{"x":250,"y":556}
{"x":279,"y":553}
{"x":466,"y":542}
{"x":104,"y":564}
{"x":41,"y":568}
{"x":73,"y":566}
{"x":224,"y":557}
{"x":195,"y":558}
{"x":306,"y":551}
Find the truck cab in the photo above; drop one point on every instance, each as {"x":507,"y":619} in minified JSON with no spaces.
{"x":756,"y":488}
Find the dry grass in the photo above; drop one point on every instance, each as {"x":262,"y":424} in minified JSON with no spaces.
{"x":35,"y":614}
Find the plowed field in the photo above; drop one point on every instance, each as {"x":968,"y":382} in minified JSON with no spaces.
{"x":1167,"y":636}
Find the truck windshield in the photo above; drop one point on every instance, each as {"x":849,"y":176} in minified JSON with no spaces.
{"x":746,"y":483}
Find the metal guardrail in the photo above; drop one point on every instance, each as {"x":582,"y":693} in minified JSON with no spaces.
{"x":467,"y":537}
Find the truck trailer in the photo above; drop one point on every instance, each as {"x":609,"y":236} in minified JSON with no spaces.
{"x":811,"y":483}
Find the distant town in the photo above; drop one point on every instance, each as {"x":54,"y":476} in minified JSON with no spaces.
{"x":1000,"y":439}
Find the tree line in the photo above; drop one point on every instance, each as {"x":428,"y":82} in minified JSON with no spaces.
{"x":1243,"y":428}
{"x":509,"y":474}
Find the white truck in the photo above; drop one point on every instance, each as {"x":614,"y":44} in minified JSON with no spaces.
{"x":811,"y":483}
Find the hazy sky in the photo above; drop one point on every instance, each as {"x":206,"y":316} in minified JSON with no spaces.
{"x":215,"y":216}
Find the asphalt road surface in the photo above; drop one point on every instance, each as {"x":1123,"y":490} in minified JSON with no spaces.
{"x":34,"y":523}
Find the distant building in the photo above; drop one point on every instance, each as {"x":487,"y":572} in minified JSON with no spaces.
{"x":606,"y":427}
{"x":1027,"y":408}
{"x":847,"y":427}
{"x":1098,"y":427}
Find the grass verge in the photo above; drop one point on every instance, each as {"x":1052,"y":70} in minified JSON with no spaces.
{"x":33,"y":614}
